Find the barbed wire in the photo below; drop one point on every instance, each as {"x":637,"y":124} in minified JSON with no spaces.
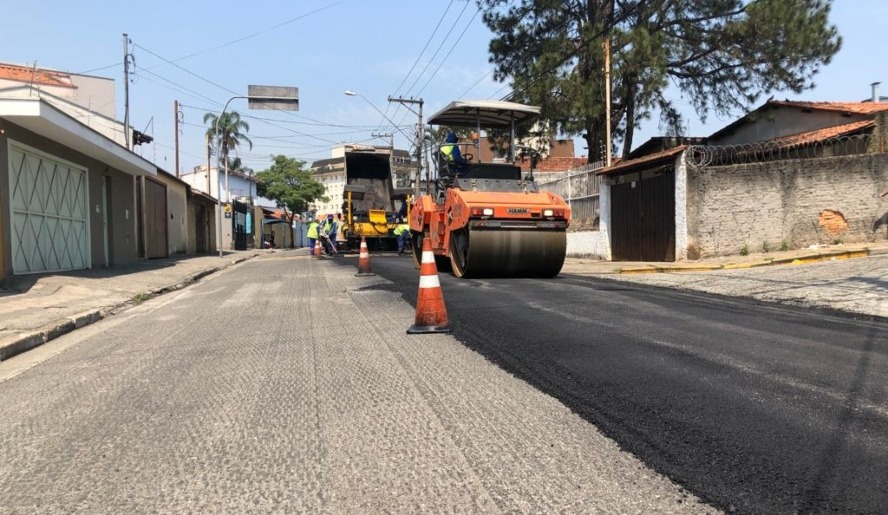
{"x":779,"y":150}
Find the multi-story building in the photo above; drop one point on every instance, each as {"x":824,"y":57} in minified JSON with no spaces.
{"x":331,"y":173}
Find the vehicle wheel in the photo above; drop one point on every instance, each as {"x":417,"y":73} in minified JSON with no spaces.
{"x":459,"y":251}
{"x":416,"y":244}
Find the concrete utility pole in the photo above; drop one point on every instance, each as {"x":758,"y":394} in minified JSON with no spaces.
{"x":126,"y":123}
{"x":209,"y":151}
{"x":407,"y":102}
{"x":607,"y":102}
{"x":176,"y":117}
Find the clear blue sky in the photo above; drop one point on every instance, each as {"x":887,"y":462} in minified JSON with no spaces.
{"x":202,"y":53}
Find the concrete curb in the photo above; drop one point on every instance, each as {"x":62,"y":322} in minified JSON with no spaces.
{"x":23,"y":342}
{"x":803,"y":259}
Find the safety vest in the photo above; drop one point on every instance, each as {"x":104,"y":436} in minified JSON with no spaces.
{"x":401,"y":229}
{"x":329,"y":226}
{"x":313,"y":230}
{"x":447,"y":150}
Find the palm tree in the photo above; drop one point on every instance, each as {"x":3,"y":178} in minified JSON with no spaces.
{"x":229,"y":130}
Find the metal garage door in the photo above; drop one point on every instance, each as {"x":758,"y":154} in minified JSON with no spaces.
{"x":48,"y":212}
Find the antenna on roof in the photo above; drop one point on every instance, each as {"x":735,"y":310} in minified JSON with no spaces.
{"x":33,"y":76}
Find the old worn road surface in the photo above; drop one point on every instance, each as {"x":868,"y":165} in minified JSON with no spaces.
{"x":288,"y":385}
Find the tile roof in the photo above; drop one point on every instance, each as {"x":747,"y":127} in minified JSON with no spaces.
{"x":844,"y":107}
{"x":553,"y":164}
{"x":814,"y":136}
{"x":36,"y":76}
{"x":650,"y":158}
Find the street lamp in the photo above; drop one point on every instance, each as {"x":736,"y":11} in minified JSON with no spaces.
{"x":259,"y":97}
{"x":351,"y":93}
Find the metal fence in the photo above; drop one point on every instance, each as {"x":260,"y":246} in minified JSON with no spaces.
{"x":779,"y":150}
{"x":580,"y":188}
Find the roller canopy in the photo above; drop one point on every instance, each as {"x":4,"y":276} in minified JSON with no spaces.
{"x":492,"y":113}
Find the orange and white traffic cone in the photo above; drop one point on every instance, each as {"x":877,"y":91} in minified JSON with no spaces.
{"x":364,"y":260}
{"x":318,"y":250}
{"x":431,"y":314}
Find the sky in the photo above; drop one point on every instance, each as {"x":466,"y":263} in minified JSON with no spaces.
{"x":203,"y":53}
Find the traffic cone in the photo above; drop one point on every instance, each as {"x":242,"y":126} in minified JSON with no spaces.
{"x":318,"y":250}
{"x":431,"y":314}
{"x":364,"y":260}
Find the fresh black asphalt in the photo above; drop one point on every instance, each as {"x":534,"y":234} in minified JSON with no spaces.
{"x":755,"y":408}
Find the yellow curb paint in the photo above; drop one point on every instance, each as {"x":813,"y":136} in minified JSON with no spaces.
{"x":639,"y":270}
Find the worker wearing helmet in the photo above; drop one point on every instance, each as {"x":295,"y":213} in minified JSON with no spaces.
{"x":312,"y":236}
{"x":450,"y":150}
{"x":328,"y":232}
{"x":402,"y":231}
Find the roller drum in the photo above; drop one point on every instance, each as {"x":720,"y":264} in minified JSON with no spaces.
{"x":507,"y":253}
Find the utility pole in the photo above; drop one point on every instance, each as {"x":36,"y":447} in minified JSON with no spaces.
{"x":607,"y":102}
{"x":209,"y":149}
{"x":421,"y":136}
{"x":176,"y":117}
{"x":126,"y":123}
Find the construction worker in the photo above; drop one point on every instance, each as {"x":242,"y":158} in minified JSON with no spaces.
{"x":312,"y":236}
{"x":402,"y":231}
{"x":328,"y":230}
{"x":455,"y":161}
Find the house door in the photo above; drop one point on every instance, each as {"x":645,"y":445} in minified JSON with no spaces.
{"x":48,"y":212}
{"x":643,"y":218}
{"x":155,"y":219}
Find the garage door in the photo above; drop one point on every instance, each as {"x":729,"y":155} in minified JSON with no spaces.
{"x":643,"y":218}
{"x":48,"y":212}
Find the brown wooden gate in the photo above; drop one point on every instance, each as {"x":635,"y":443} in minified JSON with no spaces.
{"x":643,"y":218}
{"x":155,"y":219}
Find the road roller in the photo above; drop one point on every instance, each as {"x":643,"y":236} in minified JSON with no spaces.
{"x":488,"y":219}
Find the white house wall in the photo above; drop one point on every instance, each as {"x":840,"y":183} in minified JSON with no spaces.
{"x":681,"y":207}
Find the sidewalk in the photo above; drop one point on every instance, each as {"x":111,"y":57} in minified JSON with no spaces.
{"x":37,"y":308}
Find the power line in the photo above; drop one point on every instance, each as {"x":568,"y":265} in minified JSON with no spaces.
{"x":263,"y":31}
{"x":421,"y":52}
{"x":466,"y":92}
{"x":99,"y":69}
{"x":455,"y":43}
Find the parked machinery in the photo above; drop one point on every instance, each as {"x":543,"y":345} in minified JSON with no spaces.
{"x":489,"y":220}
{"x":370,"y":202}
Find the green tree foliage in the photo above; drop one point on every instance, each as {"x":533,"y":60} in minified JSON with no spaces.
{"x":227,"y":132}
{"x":290,"y":185}
{"x":723,"y":55}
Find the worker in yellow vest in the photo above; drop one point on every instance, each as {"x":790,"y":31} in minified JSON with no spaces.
{"x":312,"y":236}
{"x":402,"y":231}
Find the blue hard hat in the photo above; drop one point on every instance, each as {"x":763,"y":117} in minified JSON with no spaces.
{"x":451,"y":137}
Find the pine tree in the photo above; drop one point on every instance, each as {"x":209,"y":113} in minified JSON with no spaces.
{"x":722,"y":55}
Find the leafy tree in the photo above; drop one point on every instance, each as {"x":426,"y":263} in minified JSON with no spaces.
{"x":721,"y":54}
{"x":290,"y":185}
{"x":227,"y":132}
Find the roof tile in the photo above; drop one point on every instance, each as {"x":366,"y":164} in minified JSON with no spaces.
{"x":35,"y":76}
